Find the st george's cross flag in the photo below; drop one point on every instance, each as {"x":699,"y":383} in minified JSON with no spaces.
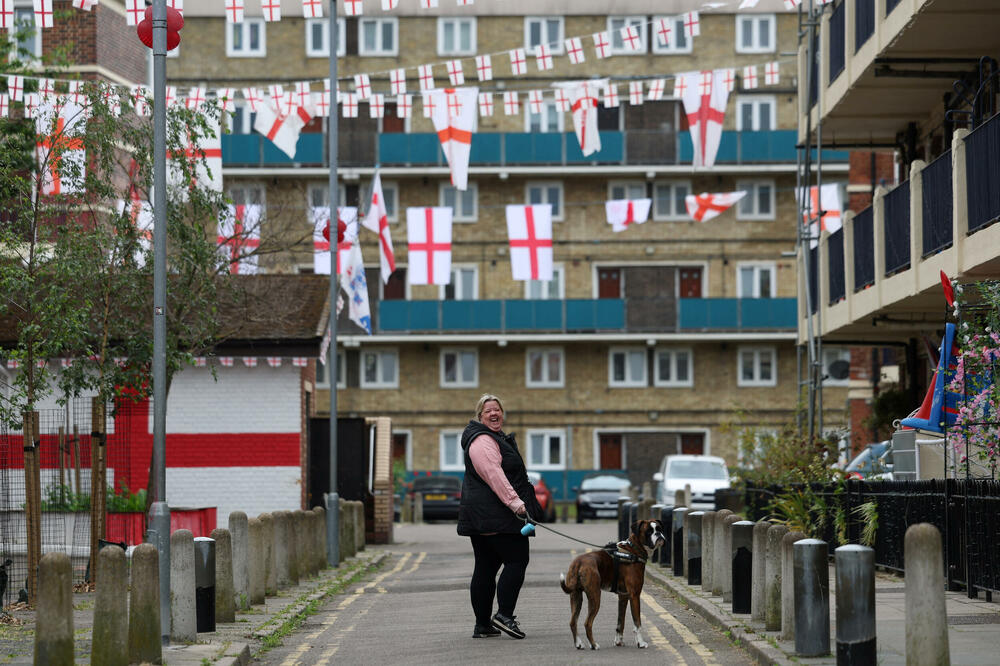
{"x":141,"y":214}
{"x":704,"y":95}
{"x":377,"y":220}
{"x":239,"y":237}
{"x":428,"y":236}
{"x":703,"y":207}
{"x":59,"y":147}
{"x":203,"y":161}
{"x":455,"y":115}
{"x":824,"y":203}
{"x":623,"y":213}
{"x":321,"y":244}
{"x":583,"y":105}
{"x":529,"y":229}
{"x":355,"y":286}
{"x":283,"y":128}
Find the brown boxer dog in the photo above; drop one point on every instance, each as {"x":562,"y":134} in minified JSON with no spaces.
{"x":619,"y":568}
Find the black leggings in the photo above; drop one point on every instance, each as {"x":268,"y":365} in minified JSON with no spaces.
{"x":492,"y":552}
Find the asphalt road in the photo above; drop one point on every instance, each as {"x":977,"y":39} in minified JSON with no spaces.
{"x":415,"y":610}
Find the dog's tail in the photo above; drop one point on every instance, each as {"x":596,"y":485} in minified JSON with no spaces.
{"x":562,"y":583}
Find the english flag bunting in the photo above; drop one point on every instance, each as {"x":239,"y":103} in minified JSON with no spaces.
{"x":355,"y":286}
{"x":823,"y":202}
{"x":321,"y":245}
{"x":704,"y":95}
{"x":454,"y":115}
{"x":239,"y":237}
{"x":529,"y":229}
{"x":377,"y":220}
{"x":283,"y":129}
{"x":703,"y":207}
{"x":59,"y":147}
{"x":583,"y":104}
{"x":623,"y":213}
{"x":428,"y":235}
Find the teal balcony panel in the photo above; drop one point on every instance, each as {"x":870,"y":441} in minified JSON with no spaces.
{"x":737,"y":313}
{"x":768,"y":313}
{"x":533,"y":148}
{"x":590,"y":314}
{"x":612,"y":149}
{"x":396,"y":316}
{"x":255,"y":149}
{"x":487,"y":148}
{"x":533,"y":315}
{"x":416,"y":149}
{"x":705,"y":313}
{"x":471,"y":315}
{"x":756,"y":147}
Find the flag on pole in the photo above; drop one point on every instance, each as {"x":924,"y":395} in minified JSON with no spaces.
{"x":321,"y":243}
{"x":529,"y":230}
{"x":355,"y":287}
{"x":703,"y":207}
{"x":377,"y":220}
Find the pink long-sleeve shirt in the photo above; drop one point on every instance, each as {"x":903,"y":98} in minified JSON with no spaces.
{"x":485,"y":455}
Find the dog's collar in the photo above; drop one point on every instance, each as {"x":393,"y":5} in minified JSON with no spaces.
{"x":623,"y":552}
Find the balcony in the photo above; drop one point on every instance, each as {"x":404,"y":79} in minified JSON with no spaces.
{"x":609,"y":315}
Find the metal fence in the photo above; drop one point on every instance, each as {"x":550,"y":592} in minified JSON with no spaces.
{"x":936,"y":202}
{"x":896,"y":232}
{"x":864,"y":250}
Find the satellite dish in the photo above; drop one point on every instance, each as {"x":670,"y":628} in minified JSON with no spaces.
{"x":839,"y":369}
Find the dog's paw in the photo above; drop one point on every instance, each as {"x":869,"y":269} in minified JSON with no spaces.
{"x":595,"y":646}
{"x":619,"y":640}
{"x":641,"y":644}
{"x":580,"y":645}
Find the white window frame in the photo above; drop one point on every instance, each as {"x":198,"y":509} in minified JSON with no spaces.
{"x":240,"y":109}
{"x":751,"y":187}
{"x":558,"y":275}
{"x":390,"y":190}
{"x":324,"y":383}
{"x":831,"y":354}
{"x":673,"y":353}
{"x":627,"y":185}
{"x":546,"y":434}
{"x":545,"y":382}
{"x":758,"y":353}
{"x":676,"y":29}
{"x":378,"y":383}
{"x":323,"y":51}
{"x":459,"y":382}
{"x":557,"y":47}
{"x":325,"y":191}
{"x":457,"y":21}
{"x":26,"y":9}
{"x":244,"y":29}
{"x":614,"y":33}
{"x":755,"y":102}
{"x":672,"y":215}
{"x":460,"y":215}
{"x":628,"y":382}
{"x":545,"y":185}
{"x":379,"y":49}
{"x":248,"y":185}
{"x":475,"y":282}
{"x":755,"y":20}
{"x":548,"y":106}
{"x":757,"y":267}
{"x":442,"y":459}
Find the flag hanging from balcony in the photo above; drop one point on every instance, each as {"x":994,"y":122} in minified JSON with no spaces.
{"x":703,"y":207}
{"x":622,"y":213}
{"x":239,"y":237}
{"x":59,"y":147}
{"x":377,"y":220}
{"x":583,"y":105}
{"x":141,"y":214}
{"x":355,"y":287}
{"x":704,"y":95}
{"x":321,"y":242}
{"x":454,"y":115}
{"x":428,"y":236}
{"x":203,"y":162}
{"x":283,"y":129}
{"x":824,"y":203}
{"x":529,"y":229}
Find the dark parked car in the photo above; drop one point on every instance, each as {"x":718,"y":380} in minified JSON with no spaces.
{"x":442,"y":495}
{"x":597,"y":496}
{"x":544,"y":497}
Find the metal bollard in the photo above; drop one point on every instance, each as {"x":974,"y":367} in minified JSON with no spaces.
{"x":623,"y":513}
{"x":633,"y":516}
{"x":654,"y":511}
{"x":707,"y":550}
{"x":855,"y":585}
{"x":742,"y":566}
{"x":812,"y":598}
{"x":667,"y":527}
{"x":204,"y":583}
{"x":678,"y":539}
{"x":694,"y":547}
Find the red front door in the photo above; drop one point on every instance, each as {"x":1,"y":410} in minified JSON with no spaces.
{"x":693,"y":443}
{"x":611,"y":451}
{"x":609,"y":283}
{"x":690,"y":279}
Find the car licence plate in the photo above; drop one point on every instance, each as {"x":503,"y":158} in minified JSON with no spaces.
{"x":606,"y":513}
{"x":435,"y":497}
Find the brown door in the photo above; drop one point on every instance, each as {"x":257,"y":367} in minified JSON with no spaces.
{"x":693,"y":443}
{"x":609,"y":283}
{"x":390,"y":123}
{"x":690,"y":282}
{"x":611,"y":451}
{"x":395,"y":288}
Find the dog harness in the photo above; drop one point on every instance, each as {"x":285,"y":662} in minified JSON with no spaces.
{"x":619,"y":557}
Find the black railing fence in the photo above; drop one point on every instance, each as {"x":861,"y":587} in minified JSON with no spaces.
{"x":864,"y":249}
{"x":897,"y":229}
{"x":838,"y":41}
{"x":814,"y":279}
{"x":937,"y":205}
{"x":966,"y":511}
{"x":835,"y":251}
{"x":982,"y":164}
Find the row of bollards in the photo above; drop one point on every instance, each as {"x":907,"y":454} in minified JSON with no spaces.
{"x":781,"y":578}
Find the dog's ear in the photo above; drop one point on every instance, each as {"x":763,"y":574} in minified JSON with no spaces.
{"x":634,"y":528}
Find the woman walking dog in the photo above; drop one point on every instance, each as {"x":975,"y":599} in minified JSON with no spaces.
{"x":496,"y":498}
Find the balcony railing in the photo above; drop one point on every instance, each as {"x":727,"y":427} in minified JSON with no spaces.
{"x":936,"y":202}
{"x":838,"y":37}
{"x":607,"y":315}
{"x":897,"y":229}
{"x":864,"y":249}
{"x":864,"y":22}
{"x":981,"y":149}
{"x":835,"y":259}
{"x":813,"y":279}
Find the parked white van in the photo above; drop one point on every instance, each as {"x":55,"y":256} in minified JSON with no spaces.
{"x":706,"y":474}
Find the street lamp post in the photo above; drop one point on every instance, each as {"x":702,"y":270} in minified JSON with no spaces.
{"x":332,"y":498}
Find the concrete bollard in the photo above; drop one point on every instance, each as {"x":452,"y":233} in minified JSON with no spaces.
{"x":727,"y":549}
{"x":758,"y":577}
{"x":359,"y":525}
{"x":741,"y":573}
{"x":320,"y":536}
{"x":707,"y":550}
{"x":255,"y":562}
{"x":308,"y":542}
{"x":299,"y":537}
{"x":183,"y":623}
{"x":241,"y":562}
{"x":772,"y":578}
{"x":654,"y":511}
{"x":678,"y":540}
{"x":268,"y":554}
{"x":667,"y":527}
{"x":204,"y":583}
{"x":225,"y":599}
{"x":54,"y":616}
{"x":145,"y":644}
{"x":812,"y":598}
{"x":720,"y":557}
{"x":418,"y":508}
{"x":926,"y":619}
{"x":788,"y":584}
{"x":109,"y":644}
{"x":279,"y":545}
{"x":680,"y":499}
{"x":855,"y":594}
{"x":694,"y":530}
{"x":687,"y":495}
{"x":292,"y":548}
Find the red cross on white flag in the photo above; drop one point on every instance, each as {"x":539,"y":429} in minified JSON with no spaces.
{"x":562,"y":100}
{"x":250,"y":361}
{"x":602,"y":44}
{"x":300,"y":361}
{"x":574,"y":49}
{"x":535,"y":101}
{"x":772,"y":73}
{"x":239,"y":237}
{"x":663,"y":31}
{"x":543,"y":57}
{"x":303,"y":93}
{"x":692,"y":24}
{"x":321,"y":244}
{"x":85,"y":5}
{"x":792,"y":4}
{"x":349,"y":105}
{"x":77,"y":97}
{"x":377,"y":220}
{"x":226,"y":361}
{"x":511,"y":103}
{"x":389,"y":4}
{"x":750,"y":77}
{"x":376,"y":106}
{"x":205,"y":160}
{"x":134,"y":10}
{"x":428,"y":4}
{"x":253,"y":98}
{"x":656,"y":88}
{"x":227,"y":98}
{"x":321,"y":100}
{"x":518,"y":62}
{"x":283,"y":129}
{"x":4,"y":105}
{"x":484,"y":67}
{"x":271,"y":10}
{"x":59,"y":148}
{"x":611,"y":96}
{"x":623,"y":213}
{"x":824,"y":203}
{"x":195,"y":98}
{"x":583,"y":105}
{"x":428,"y":104}
{"x":312,"y":8}
{"x":176,"y":4}
{"x":397,"y":81}
{"x":705,"y":106}
{"x":234,"y":11}
{"x":630,"y":37}
{"x":455,"y":119}
{"x":274,"y":361}
{"x":455,"y":73}
{"x":426,"y":75}
{"x":6,"y":14}
{"x":428,"y":237}
{"x":43,"y":13}
{"x":529,"y":230}
{"x":703,"y":207}
{"x":31,"y":103}
{"x":46,"y":88}
{"x":15,"y":87}
{"x":485,"y":104}
{"x":635,"y":93}
{"x":353,"y":8}
{"x":404,"y":105}
{"x":729,"y":78}
{"x":363,"y":85}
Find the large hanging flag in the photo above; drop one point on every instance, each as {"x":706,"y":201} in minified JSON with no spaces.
{"x":454,"y":116}
{"x":704,"y":95}
{"x":622,"y":213}
{"x":377,"y":220}
{"x":59,"y":147}
{"x":321,"y":242}
{"x":428,"y":235}
{"x":703,"y":207}
{"x":355,"y":286}
{"x":239,"y":237}
{"x":206,"y":158}
{"x":583,"y":104}
{"x":283,"y":129}
{"x":824,"y":203}
{"x":529,"y":229}
{"x":141,"y":214}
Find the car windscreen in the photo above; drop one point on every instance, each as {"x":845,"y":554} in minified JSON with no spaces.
{"x":696,"y":469}
{"x":604,"y":483}
{"x":437,"y":482}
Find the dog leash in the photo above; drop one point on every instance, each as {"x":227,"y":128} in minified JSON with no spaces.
{"x":534,"y":523}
